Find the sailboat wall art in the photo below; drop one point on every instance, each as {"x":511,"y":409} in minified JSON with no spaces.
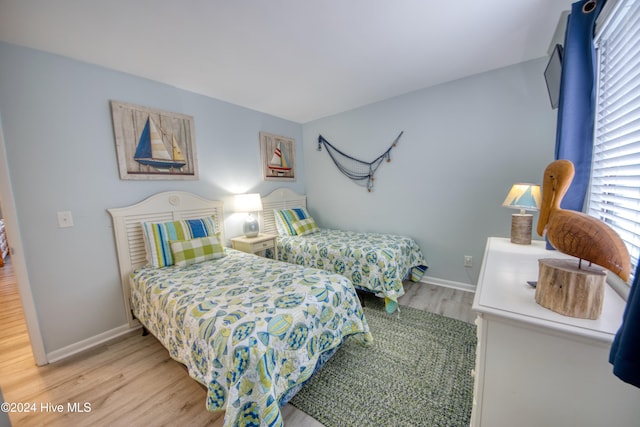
{"x":278,"y":155}
{"x":153,"y":144}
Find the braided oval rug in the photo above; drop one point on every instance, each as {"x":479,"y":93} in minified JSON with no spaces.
{"x":417,"y":372}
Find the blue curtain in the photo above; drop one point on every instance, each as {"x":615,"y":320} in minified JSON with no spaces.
{"x":625,"y":350}
{"x":576,"y":109}
{"x":574,"y":141}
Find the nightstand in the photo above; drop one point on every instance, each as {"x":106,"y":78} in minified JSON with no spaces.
{"x":256,"y":245}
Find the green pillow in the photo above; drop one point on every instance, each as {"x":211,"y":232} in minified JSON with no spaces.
{"x":158,"y":235}
{"x":286,"y":217}
{"x":187,"y":252}
{"x":305,"y":226}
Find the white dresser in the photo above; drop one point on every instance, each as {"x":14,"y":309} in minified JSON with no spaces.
{"x":535,"y":367}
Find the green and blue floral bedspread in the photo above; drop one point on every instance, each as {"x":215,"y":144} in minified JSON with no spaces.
{"x":246,"y":327}
{"x":373,"y":261}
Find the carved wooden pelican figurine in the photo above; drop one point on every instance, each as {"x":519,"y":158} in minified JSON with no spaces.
{"x":575,"y":233}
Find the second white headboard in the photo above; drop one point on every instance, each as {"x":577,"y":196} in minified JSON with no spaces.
{"x":282,"y":198}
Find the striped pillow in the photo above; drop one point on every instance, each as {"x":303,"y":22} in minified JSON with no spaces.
{"x":157,"y":236}
{"x":286,"y":217}
{"x":305,"y":226}
{"x":187,"y":252}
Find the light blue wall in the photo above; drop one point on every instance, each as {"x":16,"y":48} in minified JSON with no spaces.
{"x":60,"y":148}
{"x":465,"y":143}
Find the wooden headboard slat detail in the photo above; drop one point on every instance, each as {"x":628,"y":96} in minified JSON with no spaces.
{"x":161,"y":207}
{"x":282,"y":198}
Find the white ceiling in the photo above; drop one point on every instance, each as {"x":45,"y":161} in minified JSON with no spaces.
{"x":295,"y":59}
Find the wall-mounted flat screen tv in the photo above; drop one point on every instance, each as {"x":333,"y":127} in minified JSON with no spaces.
{"x":552,"y":75}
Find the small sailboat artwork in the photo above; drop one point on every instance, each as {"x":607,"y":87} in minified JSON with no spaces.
{"x":279,"y":164}
{"x":152,"y":152}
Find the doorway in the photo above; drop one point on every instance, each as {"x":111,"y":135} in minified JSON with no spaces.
{"x":17,"y":257}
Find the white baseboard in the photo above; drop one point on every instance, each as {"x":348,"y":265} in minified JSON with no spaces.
{"x":448,"y":284}
{"x":94,"y":341}
{"x":88,"y":343}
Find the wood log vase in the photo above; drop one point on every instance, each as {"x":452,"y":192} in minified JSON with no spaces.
{"x":570,"y":289}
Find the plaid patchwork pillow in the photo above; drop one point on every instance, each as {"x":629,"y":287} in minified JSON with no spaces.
{"x":286,"y":217}
{"x":305,"y":226}
{"x":157,"y":236}
{"x":187,"y":252}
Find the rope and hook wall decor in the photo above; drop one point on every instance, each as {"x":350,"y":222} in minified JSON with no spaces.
{"x":358,"y":171}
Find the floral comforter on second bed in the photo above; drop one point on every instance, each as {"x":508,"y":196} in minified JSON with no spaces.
{"x":372,"y":261}
{"x":246,"y":327}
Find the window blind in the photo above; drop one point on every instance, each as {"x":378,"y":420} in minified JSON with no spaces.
{"x":615,"y":176}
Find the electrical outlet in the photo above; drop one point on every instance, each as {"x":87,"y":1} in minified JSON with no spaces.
{"x":65,"y":219}
{"x":468,"y":261}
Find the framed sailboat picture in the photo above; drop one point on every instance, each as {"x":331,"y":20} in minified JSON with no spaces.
{"x":278,"y":157}
{"x":153,"y":144}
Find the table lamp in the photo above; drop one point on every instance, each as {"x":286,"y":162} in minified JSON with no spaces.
{"x":525,"y":197}
{"x":249,"y":203}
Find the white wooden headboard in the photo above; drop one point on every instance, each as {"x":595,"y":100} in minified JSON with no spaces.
{"x":282,"y":198}
{"x":161,"y":207}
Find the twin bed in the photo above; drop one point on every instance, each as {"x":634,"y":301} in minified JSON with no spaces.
{"x":251,"y":330}
{"x":374,"y":262}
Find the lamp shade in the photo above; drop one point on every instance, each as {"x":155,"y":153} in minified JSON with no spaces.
{"x":247,"y":202}
{"x":523,"y":197}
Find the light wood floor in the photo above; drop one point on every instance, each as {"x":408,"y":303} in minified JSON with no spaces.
{"x":132,"y":381}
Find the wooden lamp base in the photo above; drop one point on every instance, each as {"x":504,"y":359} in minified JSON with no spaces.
{"x":521,"y":226}
{"x":570,"y":290}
